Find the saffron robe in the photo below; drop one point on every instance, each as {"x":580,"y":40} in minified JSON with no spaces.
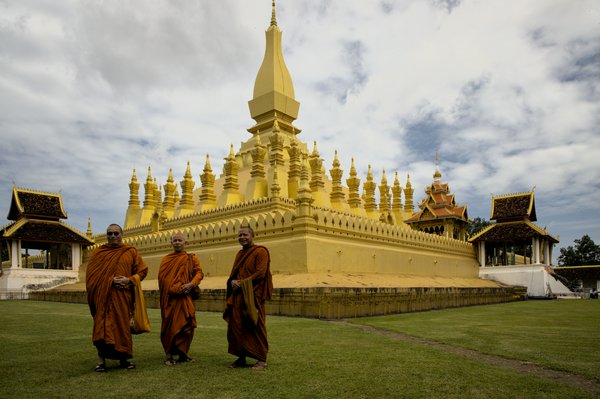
{"x":246,"y":338}
{"x":177,"y":310}
{"x":111,"y":307}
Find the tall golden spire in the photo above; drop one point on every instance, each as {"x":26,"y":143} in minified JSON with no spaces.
{"x":187,"y":188}
{"x":134,"y":198}
{"x":397,"y":200}
{"x":273,"y":97}
{"x":353,"y":183}
{"x":208,"y":200}
{"x":149,"y":191}
{"x":370,"y":203}
{"x":408,"y":198}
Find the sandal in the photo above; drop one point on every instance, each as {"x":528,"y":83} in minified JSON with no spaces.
{"x":170,"y":362}
{"x":260,"y":366}
{"x":100,"y":367}
{"x":184,"y":359}
{"x":127,"y":365}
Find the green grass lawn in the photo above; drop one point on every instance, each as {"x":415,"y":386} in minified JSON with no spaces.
{"x":561,"y":335}
{"x":47,"y":353}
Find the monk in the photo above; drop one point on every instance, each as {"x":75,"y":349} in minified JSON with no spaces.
{"x":110,"y":297}
{"x":176,"y":279}
{"x":249,"y":285}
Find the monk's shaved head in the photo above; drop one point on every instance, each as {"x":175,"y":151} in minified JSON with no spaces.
{"x":178,"y":241}
{"x":178,"y":235}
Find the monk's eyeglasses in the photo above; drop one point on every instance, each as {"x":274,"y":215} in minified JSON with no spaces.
{"x":112,"y":233}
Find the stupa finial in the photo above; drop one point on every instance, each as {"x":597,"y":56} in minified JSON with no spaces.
{"x":273,"y":17}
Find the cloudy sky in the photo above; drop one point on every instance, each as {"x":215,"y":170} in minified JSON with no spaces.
{"x":506,"y":90}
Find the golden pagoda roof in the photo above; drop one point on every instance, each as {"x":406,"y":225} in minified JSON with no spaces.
{"x":439,"y":203}
{"x":445,"y":212}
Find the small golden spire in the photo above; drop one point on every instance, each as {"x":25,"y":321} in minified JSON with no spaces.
{"x":149,"y":178}
{"x":273,"y":18}
{"x":207,"y":163}
{"x":336,"y":161}
{"x":315,"y":151}
{"x":188,"y":172}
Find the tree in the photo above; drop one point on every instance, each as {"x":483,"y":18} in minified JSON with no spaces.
{"x":585,"y":252}
{"x":476,"y":225}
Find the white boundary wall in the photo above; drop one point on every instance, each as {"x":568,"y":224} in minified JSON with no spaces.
{"x":536,"y":278}
{"x":17,"y":283}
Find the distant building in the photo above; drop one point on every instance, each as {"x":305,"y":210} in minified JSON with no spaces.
{"x":439,"y":212}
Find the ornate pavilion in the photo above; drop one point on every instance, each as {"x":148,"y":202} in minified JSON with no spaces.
{"x":56,"y":247}
{"x":513,"y":239}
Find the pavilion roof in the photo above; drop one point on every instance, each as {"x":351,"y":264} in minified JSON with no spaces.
{"x":511,"y":231}
{"x":35,"y":205}
{"x":513,"y":207}
{"x":49,"y":231}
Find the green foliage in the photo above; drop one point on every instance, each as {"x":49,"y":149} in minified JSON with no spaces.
{"x":585,"y":252}
{"x":47,"y":353}
{"x":476,"y":225}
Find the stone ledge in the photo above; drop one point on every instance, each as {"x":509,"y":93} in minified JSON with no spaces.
{"x":336,"y":303}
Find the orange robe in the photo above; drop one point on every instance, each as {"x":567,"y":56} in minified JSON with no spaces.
{"x":112,"y":307}
{"x":177,"y":310}
{"x":245,"y":338}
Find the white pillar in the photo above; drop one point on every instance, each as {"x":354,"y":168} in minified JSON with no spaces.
{"x":15,"y":254}
{"x":75,"y":257}
{"x":535,"y":251}
{"x":546,"y":246}
{"x":482,"y":253}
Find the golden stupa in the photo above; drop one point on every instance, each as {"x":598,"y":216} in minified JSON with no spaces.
{"x":276,"y":183}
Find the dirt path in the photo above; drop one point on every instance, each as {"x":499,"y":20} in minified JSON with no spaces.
{"x":584,"y":383}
